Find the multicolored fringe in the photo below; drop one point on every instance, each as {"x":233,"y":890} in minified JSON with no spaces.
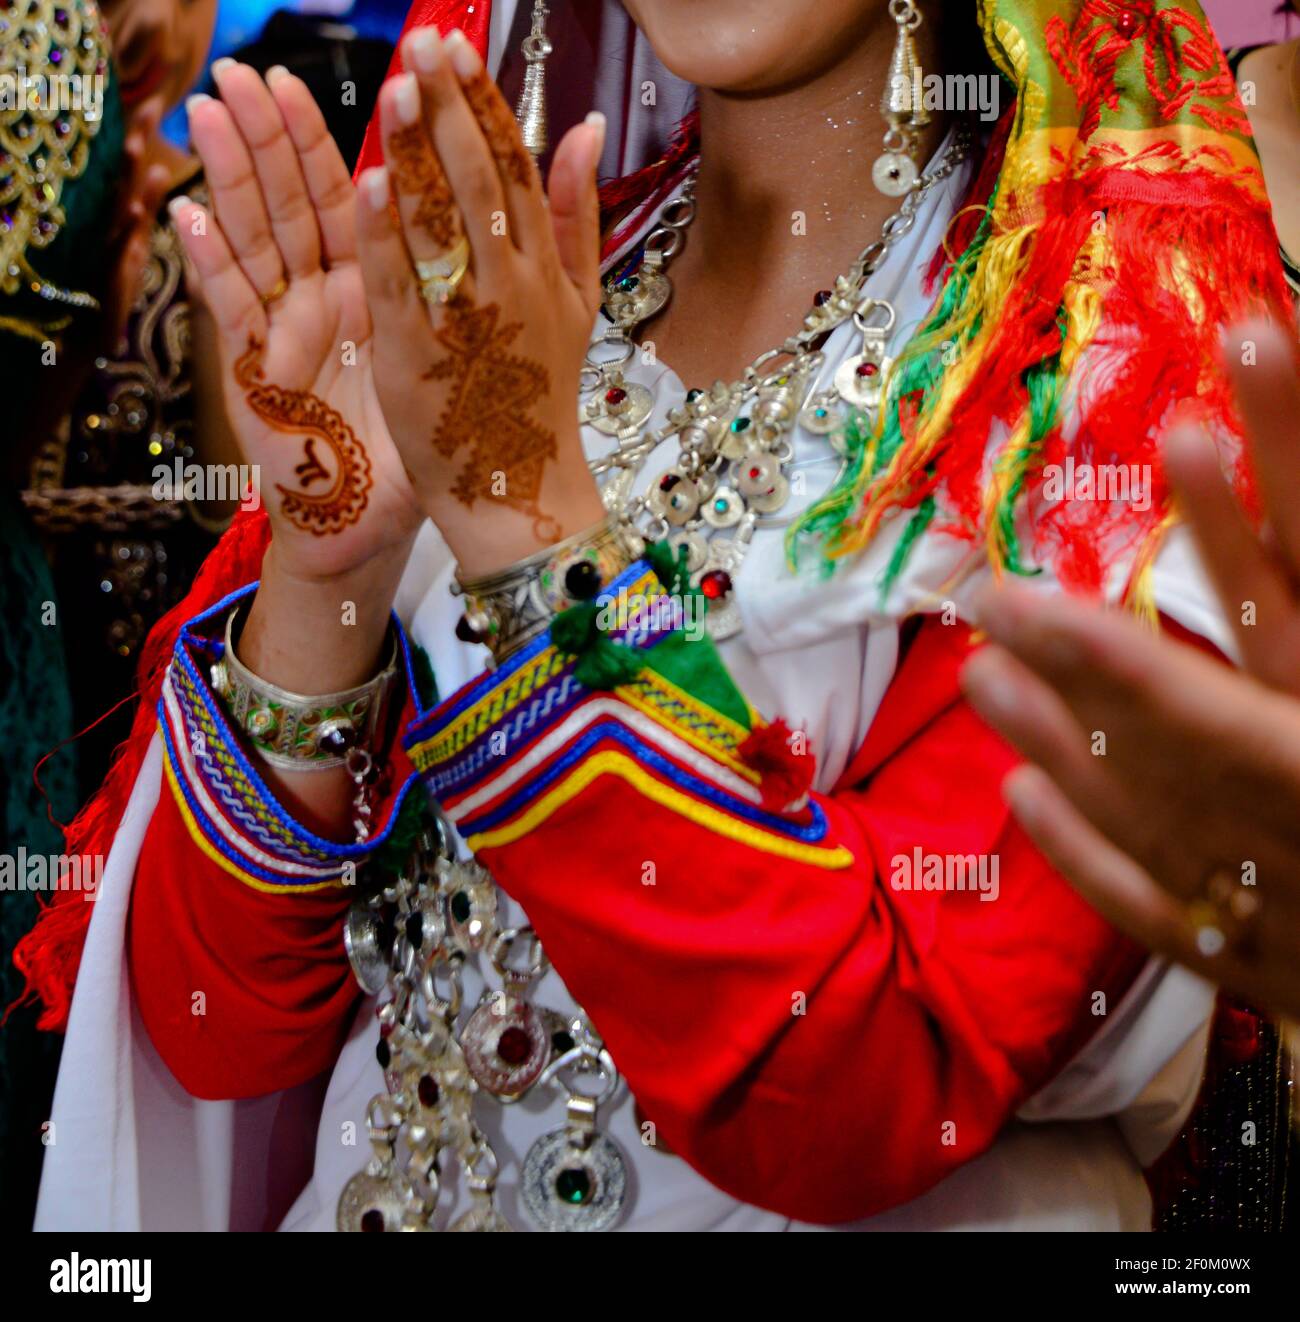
{"x":1082,"y":311}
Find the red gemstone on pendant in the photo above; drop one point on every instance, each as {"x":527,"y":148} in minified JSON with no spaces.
{"x":372,"y":1221}
{"x":513,"y":1046}
{"x":821,"y":298}
{"x":615,"y":396}
{"x":716,"y":583}
{"x":867,"y":370}
{"x":428,"y":1091}
{"x":1126,"y":22}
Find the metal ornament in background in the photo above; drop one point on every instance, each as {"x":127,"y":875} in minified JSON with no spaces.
{"x":531,"y":110}
{"x":733,"y":474}
{"x":902,"y":105}
{"x":408,"y":944}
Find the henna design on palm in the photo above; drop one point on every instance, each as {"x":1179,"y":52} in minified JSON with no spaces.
{"x":300,"y":411}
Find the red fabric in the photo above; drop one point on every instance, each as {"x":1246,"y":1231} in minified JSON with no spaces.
{"x":923,"y":1009}
{"x":472,"y":17}
{"x":278,"y":994}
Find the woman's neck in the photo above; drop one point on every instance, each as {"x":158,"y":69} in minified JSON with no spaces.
{"x":785,"y":202}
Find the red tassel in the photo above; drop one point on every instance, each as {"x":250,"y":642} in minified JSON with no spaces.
{"x":787,"y":774}
{"x":50,"y":954}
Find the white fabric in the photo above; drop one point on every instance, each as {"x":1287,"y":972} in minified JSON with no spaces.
{"x":133,"y":1151}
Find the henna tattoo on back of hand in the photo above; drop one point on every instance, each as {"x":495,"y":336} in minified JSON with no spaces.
{"x":417,"y":172}
{"x":302,"y":412}
{"x":487,"y":413}
{"x":500,"y":129}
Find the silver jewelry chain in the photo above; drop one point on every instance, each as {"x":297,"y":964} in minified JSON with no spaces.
{"x":409,"y":943}
{"x":732,"y":474}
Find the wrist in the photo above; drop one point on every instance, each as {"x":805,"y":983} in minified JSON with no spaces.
{"x":485,"y":544}
{"x":311,"y":634}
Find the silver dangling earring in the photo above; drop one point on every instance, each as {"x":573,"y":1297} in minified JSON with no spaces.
{"x":531,"y":110}
{"x":895,"y":171}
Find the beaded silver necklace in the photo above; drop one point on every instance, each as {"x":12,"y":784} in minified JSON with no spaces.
{"x":732,"y":476}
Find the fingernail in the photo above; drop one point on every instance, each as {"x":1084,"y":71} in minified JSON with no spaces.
{"x":424,"y":49}
{"x":193,"y":102}
{"x":597,"y":121}
{"x":375,"y":184}
{"x":275,"y":73}
{"x":464,"y":58}
{"x":222,"y":65}
{"x":988,"y":685}
{"x":177,"y":204}
{"x":406,"y":99}
{"x":1019,"y":794}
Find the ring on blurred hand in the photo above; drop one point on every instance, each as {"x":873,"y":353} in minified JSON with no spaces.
{"x":1225,"y":916}
{"x":440,"y":277}
{"x":279,"y":291}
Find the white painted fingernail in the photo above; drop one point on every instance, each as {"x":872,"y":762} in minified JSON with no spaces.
{"x":375,"y":184}
{"x":222,"y":65}
{"x":464,"y":58}
{"x":406,"y":99}
{"x":192,"y":103}
{"x":178,"y":204}
{"x":275,"y":73}
{"x":425,"y":48}
{"x":597,"y":121}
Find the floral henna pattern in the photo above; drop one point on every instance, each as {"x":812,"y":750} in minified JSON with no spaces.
{"x":487,"y":413}
{"x":500,"y":130}
{"x":299,"y":411}
{"x":418,"y":172}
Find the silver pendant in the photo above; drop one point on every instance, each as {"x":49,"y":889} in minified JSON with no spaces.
{"x":573,"y":1188}
{"x":368,"y":942}
{"x":621,"y":407}
{"x":370,"y":1203}
{"x":506,"y":1045}
{"x":821,"y":417}
{"x":724,"y":509}
{"x":471,"y":905}
{"x":637,"y":297}
{"x":725,"y":556}
{"x":894,"y":174}
{"x":860,"y":379}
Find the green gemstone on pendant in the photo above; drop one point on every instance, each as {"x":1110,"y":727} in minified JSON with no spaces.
{"x":720,"y":505}
{"x":460,"y":907}
{"x":740,"y":424}
{"x":573,"y":1186}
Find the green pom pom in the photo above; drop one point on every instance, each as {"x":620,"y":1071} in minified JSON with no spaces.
{"x":606,"y":665}
{"x":602,"y":663}
{"x":574,"y":630}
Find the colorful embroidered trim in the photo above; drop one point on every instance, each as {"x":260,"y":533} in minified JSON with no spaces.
{"x":229,"y":810}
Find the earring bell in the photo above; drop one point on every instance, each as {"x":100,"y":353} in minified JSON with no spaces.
{"x":895,"y":171}
{"x":531,"y":109}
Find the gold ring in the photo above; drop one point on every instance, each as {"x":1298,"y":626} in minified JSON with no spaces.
{"x":440,"y":277}
{"x":1225,"y":916}
{"x":280,"y":290}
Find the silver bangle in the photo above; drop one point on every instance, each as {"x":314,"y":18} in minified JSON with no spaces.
{"x":295,"y":731}
{"x":507,"y":610}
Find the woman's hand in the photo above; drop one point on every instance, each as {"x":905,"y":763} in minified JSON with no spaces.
{"x":277,"y":269}
{"x":481,"y":392}
{"x":1167,"y":786}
